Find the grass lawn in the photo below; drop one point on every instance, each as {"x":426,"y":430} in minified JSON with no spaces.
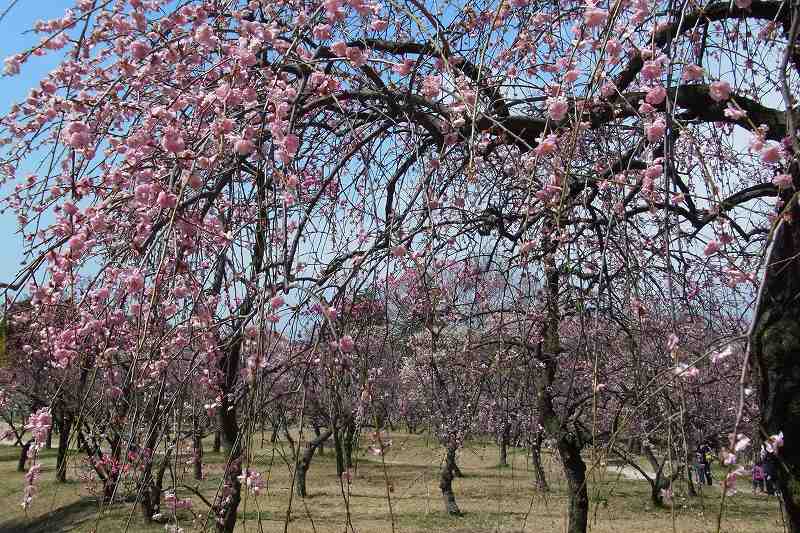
{"x":493,"y":499}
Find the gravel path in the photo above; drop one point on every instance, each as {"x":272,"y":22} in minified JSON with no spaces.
{"x":628,"y":472}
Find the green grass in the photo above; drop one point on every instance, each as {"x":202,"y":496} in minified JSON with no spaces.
{"x":493,"y":499}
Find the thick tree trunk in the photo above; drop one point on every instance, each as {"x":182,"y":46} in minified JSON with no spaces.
{"x":151,"y":491}
{"x":65,"y":427}
{"x":575,"y":472}
{"x":540,"y":480}
{"x":304,"y":463}
{"x":568,"y":443}
{"x":775,"y":345}
{"x":227,"y":504}
{"x":23,"y":456}
{"x":217,"y":442}
{"x":446,"y":483}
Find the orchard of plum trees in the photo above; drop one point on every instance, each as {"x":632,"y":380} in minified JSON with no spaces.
{"x":560,"y":221}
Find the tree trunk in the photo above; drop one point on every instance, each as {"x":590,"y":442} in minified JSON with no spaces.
{"x":575,"y":472}
{"x":23,"y":456}
{"x":287,"y":433}
{"x":338,"y":448}
{"x":317,"y":434}
{"x":65,"y":427}
{"x":504,"y":438}
{"x":690,"y":484}
{"x":217,"y":442}
{"x":227,"y":503}
{"x":305,"y":462}
{"x":197,"y":449}
{"x":540,"y":481}
{"x":276,"y":430}
{"x":350,"y":435}
{"x":775,"y":345}
{"x":568,"y":443}
{"x":151,"y":491}
{"x":656,"y":496}
{"x":446,"y":483}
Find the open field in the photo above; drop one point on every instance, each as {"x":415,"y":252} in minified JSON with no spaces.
{"x":493,"y":499}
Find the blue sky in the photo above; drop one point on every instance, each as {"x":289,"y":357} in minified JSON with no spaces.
{"x":15,"y":39}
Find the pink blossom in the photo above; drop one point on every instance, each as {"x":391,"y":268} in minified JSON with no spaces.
{"x":399,"y":250}
{"x":526,"y":247}
{"x":330,"y":312}
{"x":646,"y":109}
{"x":175,"y":503}
{"x":692,"y":72}
{"x":277,"y":301}
{"x":378,"y":25}
{"x":711,"y":248}
{"x":78,"y":135}
{"x":734,"y":113}
{"x":346,"y":344}
{"x":205,"y":36}
{"x":672,"y":342}
{"x":655,"y":131}
{"x":557,"y":108}
{"x":322,"y":32}
{"x":253,"y":481}
{"x":719,"y":91}
{"x":173,"y":141}
{"x":651,"y":70}
{"x":339,"y":48}
{"x":244,"y":147}
{"x":404,"y":68}
{"x":356,"y":56}
{"x":594,"y":16}
{"x":75,"y":244}
{"x":608,"y":89}
{"x":743,"y":4}
{"x":656,"y":95}
{"x":39,"y":423}
{"x":140,"y":49}
{"x":716,"y":357}
{"x":167,"y":200}
{"x":771,"y":153}
{"x":431,"y":86}
{"x":654,"y":171}
{"x":774,"y":443}
{"x":547,"y":145}
{"x":685,"y":371}
{"x":782,"y":181}
{"x":291,"y":143}
{"x":135,"y":281}
{"x":12,"y":65}
{"x":571,"y":75}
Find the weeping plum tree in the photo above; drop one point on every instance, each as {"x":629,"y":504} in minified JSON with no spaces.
{"x":216,"y":172}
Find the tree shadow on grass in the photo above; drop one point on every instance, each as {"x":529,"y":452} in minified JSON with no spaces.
{"x":66,"y":518}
